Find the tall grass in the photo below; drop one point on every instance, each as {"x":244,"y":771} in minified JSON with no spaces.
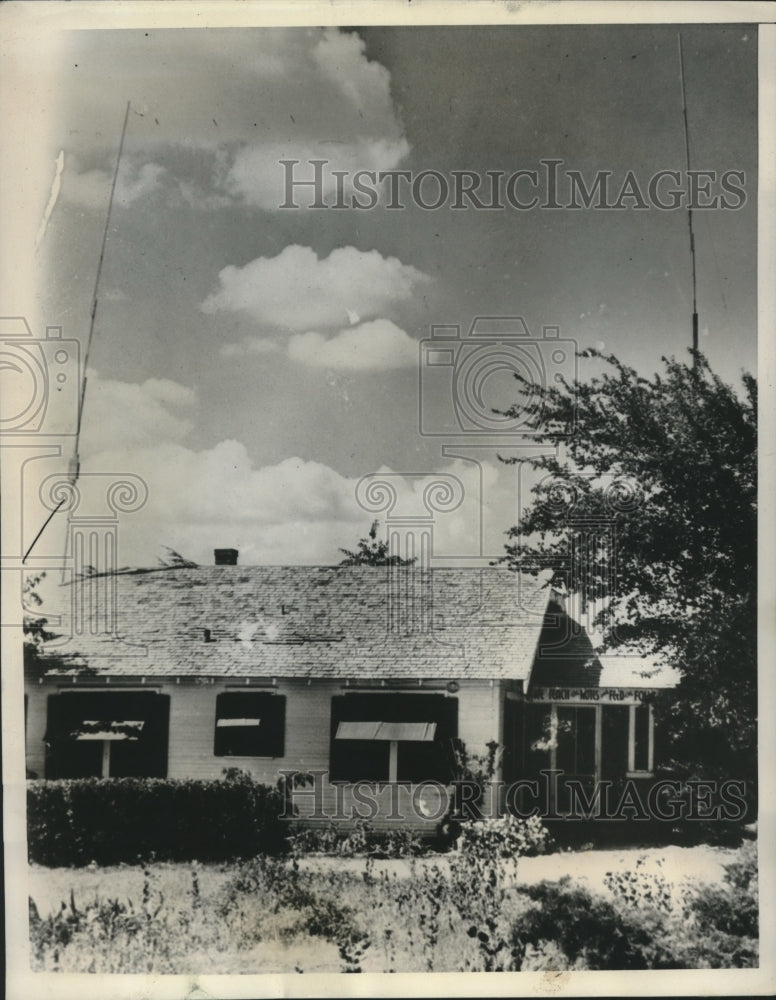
{"x":461,"y":912}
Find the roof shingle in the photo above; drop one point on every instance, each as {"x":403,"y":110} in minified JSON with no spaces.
{"x":318,"y":622}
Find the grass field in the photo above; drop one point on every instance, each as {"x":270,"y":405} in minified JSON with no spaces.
{"x":669,"y":907}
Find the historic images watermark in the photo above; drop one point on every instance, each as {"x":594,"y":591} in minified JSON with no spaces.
{"x":551,"y":184}
{"x":550,"y":795}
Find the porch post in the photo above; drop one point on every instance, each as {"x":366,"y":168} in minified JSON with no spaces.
{"x":598,"y":723}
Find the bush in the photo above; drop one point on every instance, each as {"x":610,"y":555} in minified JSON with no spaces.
{"x":74,"y":822}
{"x":714,"y":927}
{"x":507,"y":837}
{"x":725,"y":918}
{"x":589,"y":931}
{"x":358,"y":841}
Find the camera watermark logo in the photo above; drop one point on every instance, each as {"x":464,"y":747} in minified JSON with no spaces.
{"x":62,"y":525}
{"x":40,"y":380}
{"x":468,"y":382}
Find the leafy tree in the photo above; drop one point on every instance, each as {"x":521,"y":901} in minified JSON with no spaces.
{"x":33,"y":625}
{"x":671,"y":461}
{"x":38,"y":661}
{"x":372,"y":551}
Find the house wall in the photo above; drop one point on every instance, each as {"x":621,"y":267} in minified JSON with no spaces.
{"x":307,"y":738}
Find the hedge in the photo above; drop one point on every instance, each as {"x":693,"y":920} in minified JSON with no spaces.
{"x":113,"y":820}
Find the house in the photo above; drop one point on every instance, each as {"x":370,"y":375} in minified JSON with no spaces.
{"x":365,"y":677}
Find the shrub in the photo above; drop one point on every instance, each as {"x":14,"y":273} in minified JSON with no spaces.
{"x":74,"y":822}
{"x":724,"y":919}
{"x":358,"y":841}
{"x":587,"y":929}
{"x":507,"y":837}
{"x":644,"y":927}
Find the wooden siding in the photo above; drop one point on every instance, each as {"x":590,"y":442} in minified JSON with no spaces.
{"x":307,"y":736}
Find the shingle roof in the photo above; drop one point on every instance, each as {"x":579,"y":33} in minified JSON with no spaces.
{"x":317,"y":622}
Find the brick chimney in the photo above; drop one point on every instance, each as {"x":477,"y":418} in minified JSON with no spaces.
{"x":226,"y":557}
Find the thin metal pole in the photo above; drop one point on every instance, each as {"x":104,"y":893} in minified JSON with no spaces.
{"x":689,"y":207}
{"x":76,"y":459}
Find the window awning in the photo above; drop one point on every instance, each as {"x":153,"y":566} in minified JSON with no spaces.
{"x":221,"y":723}
{"x":414,"y":732}
{"x":121,"y":729}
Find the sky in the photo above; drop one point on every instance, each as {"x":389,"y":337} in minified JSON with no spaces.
{"x":252,"y":363}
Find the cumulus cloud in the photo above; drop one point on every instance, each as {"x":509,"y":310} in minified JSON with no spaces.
{"x":127,"y":414}
{"x":298,"y":291}
{"x":293,"y":510}
{"x":91,"y":188}
{"x":378,"y":345}
{"x":248,"y":99}
{"x":259,"y":175}
{"x":348,"y":119}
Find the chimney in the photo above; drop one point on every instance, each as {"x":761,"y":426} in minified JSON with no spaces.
{"x":226,"y":557}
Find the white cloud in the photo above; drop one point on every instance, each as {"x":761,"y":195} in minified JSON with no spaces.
{"x":251,"y":98}
{"x":342,"y":59}
{"x":348,"y":118}
{"x":297,"y":291}
{"x":294,"y":510}
{"x":249,"y":345}
{"x":378,"y":345}
{"x":91,"y":188}
{"x":258,"y":176}
{"x":135,"y":182}
{"x":127,"y":415}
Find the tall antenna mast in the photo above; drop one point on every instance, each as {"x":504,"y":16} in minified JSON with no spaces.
{"x":75,"y":462}
{"x":689,"y":209}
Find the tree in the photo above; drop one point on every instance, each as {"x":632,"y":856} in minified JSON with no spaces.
{"x":33,"y":625}
{"x":37,"y":661}
{"x":372,"y":551}
{"x":672,"y":462}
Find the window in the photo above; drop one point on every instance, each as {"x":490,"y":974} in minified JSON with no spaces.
{"x":107,"y":734}
{"x":612,"y":742}
{"x":393,"y":737}
{"x":250,"y":724}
